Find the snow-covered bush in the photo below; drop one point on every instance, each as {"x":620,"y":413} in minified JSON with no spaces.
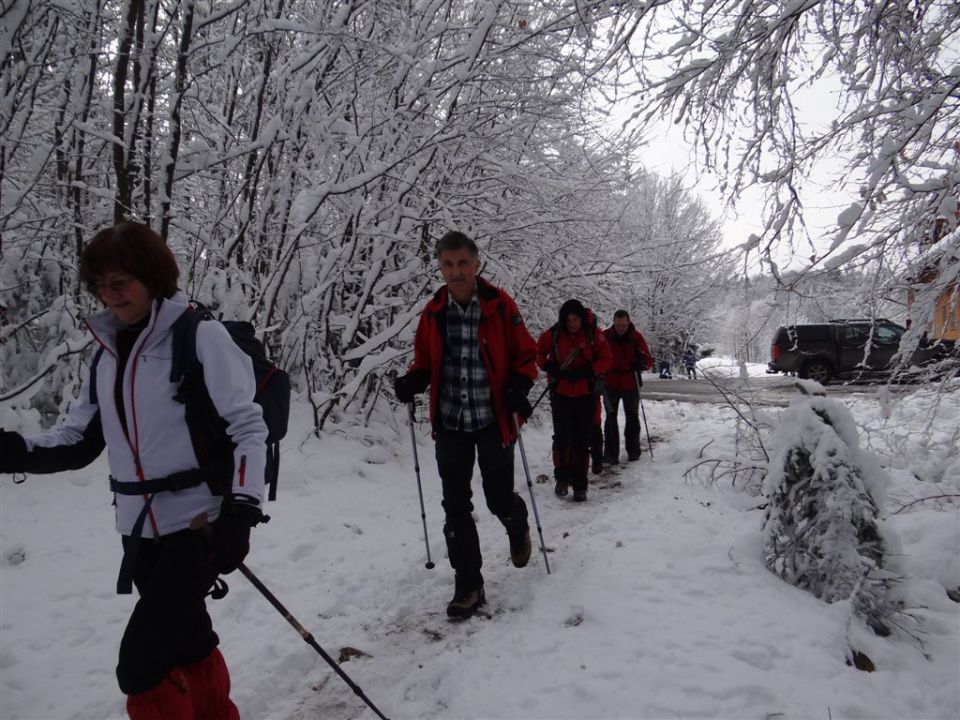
{"x":822,"y":531}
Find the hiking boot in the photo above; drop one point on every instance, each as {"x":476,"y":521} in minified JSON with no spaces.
{"x":579,"y":495}
{"x":465,"y":603}
{"x":597,"y":466}
{"x":520,"y":547}
{"x":633,"y":457}
{"x":518,"y":530}
{"x":561,"y":488}
{"x":611,"y":460}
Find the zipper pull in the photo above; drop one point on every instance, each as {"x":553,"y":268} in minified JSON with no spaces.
{"x":243,"y":470}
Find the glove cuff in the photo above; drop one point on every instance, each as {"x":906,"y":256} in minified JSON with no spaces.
{"x":243,"y":508}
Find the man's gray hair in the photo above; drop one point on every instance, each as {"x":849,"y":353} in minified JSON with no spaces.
{"x":456,"y":240}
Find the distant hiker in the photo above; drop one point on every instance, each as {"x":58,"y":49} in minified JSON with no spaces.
{"x":575,"y":355}
{"x":474,"y":353}
{"x":690,"y":363}
{"x":665,"y":360}
{"x":631,"y":356}
{"x":169,"y":665}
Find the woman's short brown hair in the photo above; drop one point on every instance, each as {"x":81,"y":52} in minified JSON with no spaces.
{"x":133,"y":248}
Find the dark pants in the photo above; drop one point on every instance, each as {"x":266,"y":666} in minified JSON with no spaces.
{"x":611,"y":427}
{"x":665,"y":369}
{"x":572,"y":430}
{"x":456,"y":451}
{"x":169,"y":626}
{"x":596,"y":446}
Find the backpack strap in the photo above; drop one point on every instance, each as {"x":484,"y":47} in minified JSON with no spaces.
{"x":184,"y":360}
{"x":93,"y":375}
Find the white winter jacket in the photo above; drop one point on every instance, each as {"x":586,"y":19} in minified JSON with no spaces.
{"x":157,"y":432}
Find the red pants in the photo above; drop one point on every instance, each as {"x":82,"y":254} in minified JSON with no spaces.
{"x":197,"y":692}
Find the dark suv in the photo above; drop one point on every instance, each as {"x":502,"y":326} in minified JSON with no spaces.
{"x":846,"y":349}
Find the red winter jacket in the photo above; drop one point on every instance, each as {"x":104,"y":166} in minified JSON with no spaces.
{"x":505,"y":347}
{"x":594,"y":356}
{"x":628,"y":350}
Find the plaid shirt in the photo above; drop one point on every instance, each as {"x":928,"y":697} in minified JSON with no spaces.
{"x":465,"y":402}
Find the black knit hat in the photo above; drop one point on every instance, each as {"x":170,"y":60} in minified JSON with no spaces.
{"x":572,"y":307}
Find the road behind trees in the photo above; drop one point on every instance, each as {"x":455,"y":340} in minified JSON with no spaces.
{"x":768,"y":390}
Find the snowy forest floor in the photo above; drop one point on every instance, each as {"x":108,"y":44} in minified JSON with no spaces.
{"x":658,"y":604}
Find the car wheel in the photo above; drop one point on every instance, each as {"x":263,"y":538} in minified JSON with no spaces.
{"x":818,"y":371}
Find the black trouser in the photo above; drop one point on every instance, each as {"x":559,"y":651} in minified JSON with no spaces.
{"x":456,"y":451}
{"x":611,"y":428}
{"x":596,"y":445}
{"x":572,"y":429}
{"x":169,"y":626}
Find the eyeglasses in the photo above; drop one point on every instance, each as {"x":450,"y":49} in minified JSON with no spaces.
{"x":114,"y":285}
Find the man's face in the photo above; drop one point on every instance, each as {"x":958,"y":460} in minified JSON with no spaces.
{"x":621,"y":324}
{"x":459,"y":269}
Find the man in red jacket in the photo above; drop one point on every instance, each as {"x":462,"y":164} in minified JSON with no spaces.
{"x":474,"y":353}
{"x":575,"y":355}
{"x":631,"y":356}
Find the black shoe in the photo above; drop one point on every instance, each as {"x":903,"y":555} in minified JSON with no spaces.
{"x":465,"y":603}
{"x":611,"y":460}
{"x":597,"y":466}
{"x":633,"y":457}
{"x":579,"y":495}
{"x":561,"y":488}
{"x":518,"y":530}
{"x":520,"y":547}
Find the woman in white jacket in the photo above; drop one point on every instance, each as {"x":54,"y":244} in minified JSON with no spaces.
{"x":178,"y":534}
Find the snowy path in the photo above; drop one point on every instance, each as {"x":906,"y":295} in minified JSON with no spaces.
{"x":658,"y":605}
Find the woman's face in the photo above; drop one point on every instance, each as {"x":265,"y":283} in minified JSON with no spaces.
{"x":123,"y":295}
{"x":573,"y":322}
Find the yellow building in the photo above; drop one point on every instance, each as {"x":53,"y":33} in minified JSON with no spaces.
{"x":945,"y":324}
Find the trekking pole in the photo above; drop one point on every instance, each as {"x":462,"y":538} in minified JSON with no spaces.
{"x":416,"y":467}
{"x":646,"y":425}
{"x":308,"y":638}
{"x":566,"y":363}
{"x":533,"y":500}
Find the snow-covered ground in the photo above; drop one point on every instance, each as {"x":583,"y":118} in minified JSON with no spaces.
{"x":658,"y":604}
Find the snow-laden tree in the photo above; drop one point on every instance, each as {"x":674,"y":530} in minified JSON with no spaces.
{"x":300,"y":158}
{"x":822,"y":530}
{"x":779,"y":95}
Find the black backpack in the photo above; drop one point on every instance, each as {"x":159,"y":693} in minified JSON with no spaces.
{"x":208,"y":431}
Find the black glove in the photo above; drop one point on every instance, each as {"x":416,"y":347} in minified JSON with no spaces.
{"x":231,"y":534}
{"x":517,"y":390}
{"x":551,"y":367}
{"x":600,"y":385}
{"x":406,"y":387}
{"x":13,"y":451}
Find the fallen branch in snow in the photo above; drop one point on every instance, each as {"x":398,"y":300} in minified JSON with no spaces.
{"x":735,"y":468}
{"x":920,"y":500}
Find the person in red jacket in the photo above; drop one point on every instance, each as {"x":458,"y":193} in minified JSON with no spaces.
{"x":474,"y":353}
{"x":631,"y":356}
{"x":575,"y":355}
